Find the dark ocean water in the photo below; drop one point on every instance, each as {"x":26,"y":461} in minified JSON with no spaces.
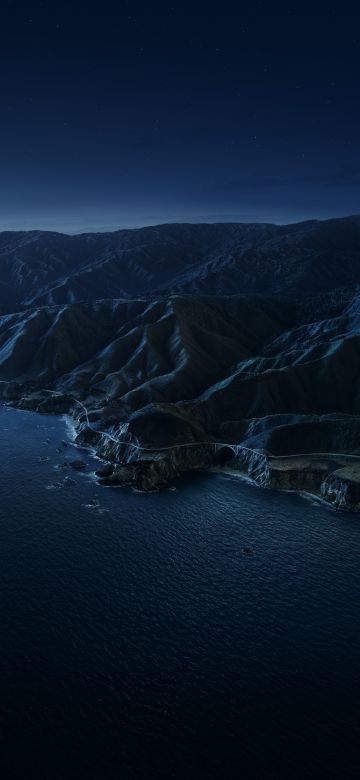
{"x":143,"y":641}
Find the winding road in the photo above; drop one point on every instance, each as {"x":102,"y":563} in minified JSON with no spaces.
{"x":236,"y":448}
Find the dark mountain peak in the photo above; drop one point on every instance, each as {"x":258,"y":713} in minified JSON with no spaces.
{"x":38,"y":267}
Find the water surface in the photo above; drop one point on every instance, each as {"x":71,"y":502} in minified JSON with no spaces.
{"x":207,"y":632}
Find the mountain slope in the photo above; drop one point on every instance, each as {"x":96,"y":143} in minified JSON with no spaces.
{"x":223,"y":361}
{"x":39,"y":268}
{"x":161,"y":381}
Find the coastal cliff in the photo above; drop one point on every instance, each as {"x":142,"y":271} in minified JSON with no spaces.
{"x":184,"y":362}
{"x":334,"y":479}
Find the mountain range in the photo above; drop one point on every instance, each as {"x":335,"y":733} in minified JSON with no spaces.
{"x":187,"y":337}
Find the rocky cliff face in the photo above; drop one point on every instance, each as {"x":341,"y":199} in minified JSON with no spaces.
{"x":158,"y":381}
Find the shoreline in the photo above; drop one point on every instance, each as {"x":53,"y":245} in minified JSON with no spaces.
{"x":314,"y":498}
{"x":331,"y":479}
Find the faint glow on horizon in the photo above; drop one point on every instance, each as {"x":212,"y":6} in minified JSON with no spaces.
{"x":84,"y":224}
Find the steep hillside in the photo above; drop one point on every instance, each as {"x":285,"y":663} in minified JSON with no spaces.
{"x":38,"y":268}
{"x":229,"y":364}
{"x":161,"y":382}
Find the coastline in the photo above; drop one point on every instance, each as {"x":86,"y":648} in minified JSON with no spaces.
{"x":331,"y":478}
{"x":314,"y":498}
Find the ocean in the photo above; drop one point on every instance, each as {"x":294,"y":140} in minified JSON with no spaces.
{"x":211,"y":630}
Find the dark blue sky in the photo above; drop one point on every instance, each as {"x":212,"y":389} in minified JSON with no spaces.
{"x":130,"y":113}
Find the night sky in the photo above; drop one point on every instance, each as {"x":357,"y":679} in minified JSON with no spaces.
{"x":127,"y":113}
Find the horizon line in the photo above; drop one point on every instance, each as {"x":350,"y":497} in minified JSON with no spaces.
{"x":199,"y":221}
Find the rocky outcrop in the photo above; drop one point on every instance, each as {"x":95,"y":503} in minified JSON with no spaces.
{"x":148,"y":469}
{"x":342,"y":489}
{"x":335,"y":479}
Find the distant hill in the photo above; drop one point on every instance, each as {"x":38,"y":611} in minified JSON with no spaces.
{"x":38,"y":268}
